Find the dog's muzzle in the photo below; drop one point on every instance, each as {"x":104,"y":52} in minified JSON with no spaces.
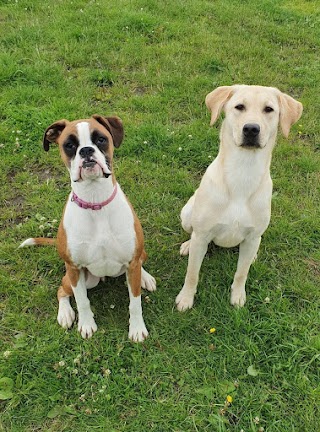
{"x":86,"y":153}
{"x":88,"y":163}
{"x":251,"y":133}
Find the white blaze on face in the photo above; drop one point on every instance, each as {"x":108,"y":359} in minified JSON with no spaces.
{"x":84,"y":134}
{"x":76,"y":170}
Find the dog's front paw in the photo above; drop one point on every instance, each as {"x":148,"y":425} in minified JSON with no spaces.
{"x":148,"y":282}
{"x":184,"y":301}
{"x":66,"y":314}
{"x":87,"y":327}
{"x":184,"y":248}
{"x":238,"y":297}
{"x":138,"y":333}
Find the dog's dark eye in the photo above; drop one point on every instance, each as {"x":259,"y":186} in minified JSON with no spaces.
{"x":101,"y":141}
{"x":240,"y":107}
{"x":268,"y":109}
{"x":69,"y":145}
{"x":70,"y":148}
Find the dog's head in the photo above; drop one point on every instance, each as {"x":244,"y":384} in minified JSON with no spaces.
{"x":86,"y":146}
{"x":252,"y":113}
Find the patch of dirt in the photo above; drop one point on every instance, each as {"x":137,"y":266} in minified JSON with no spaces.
{"x":139,"y":91}
{"x":44,"y":175}
{"x":16,"y":201}
{"x":314,"y":266}
{"x":11,"y":175}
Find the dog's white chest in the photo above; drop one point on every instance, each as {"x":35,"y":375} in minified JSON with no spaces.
{"x":103,"y":241}
{"x":231,"y":208}
{"x":233,"y":227}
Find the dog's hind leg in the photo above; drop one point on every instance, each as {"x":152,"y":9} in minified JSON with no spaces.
{"x":185,"y":216}
{"x":184,"y":248}
{"x":91,"y":280}
{"x":148,"y":282}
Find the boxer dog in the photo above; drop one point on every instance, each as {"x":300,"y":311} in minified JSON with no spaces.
{"x":99,"y":233}
{"x":232,"y":206}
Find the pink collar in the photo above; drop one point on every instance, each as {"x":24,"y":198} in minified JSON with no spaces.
{"x":87,"y":205}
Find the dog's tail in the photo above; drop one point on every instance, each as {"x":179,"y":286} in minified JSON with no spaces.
{"x":38,"y":241}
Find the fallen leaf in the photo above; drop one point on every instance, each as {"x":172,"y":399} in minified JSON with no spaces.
{"x":6,"y":386}
{"x":56,"y":411}
{"x":252,"y":371}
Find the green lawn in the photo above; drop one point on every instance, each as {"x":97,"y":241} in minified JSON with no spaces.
{"x":152,"y":63}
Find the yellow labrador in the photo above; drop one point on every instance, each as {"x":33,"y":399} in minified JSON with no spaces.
{"x":232,"y":206}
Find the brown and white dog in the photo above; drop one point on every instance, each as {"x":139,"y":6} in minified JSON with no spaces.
{"x":99,"y":233}
{"x":232,"y":205}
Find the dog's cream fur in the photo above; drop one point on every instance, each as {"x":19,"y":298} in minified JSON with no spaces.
{"x":232,"y":205}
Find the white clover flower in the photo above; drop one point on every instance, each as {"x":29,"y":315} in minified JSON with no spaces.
{"x":106,"y":372}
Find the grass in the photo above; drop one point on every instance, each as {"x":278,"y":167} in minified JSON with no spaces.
{"x":152,"y":63}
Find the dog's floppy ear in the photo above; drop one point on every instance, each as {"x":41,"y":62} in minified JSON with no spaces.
{"x":290,"y":112}
{"x":114,"y":126}
{"x":53,"y":132}
{"x":216,"y":99}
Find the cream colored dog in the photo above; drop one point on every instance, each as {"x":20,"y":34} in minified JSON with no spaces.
{"x":232,"y":206}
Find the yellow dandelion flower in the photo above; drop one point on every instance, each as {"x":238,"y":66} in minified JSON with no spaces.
{"x":212,"y":330}
{"x":229,"y":399}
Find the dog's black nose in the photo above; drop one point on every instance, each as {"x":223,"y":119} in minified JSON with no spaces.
{"x":86,"y":152}
{"x":251,"y":130}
